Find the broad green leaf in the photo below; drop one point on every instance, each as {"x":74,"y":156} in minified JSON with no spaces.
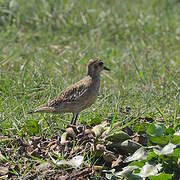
{"x":152,"y":155}
{"x":137,"y":163}
{"x":175,"y":139}
{"x":169,"y":130}
{"x":159,"y":140}
{"x":161,"y":176}
{"x":176,"y":153}
{"x":155,"y":130}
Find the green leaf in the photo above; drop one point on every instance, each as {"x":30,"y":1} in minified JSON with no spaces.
{"x":176,"y":153}
{"x":175,"y":139}
{"x":177,"y":127}
{"x":155,"y":130}
{"x":159,"y":140}
{"x":137,"y":163}
{"x":169,"y":130}
{"x":113,"y":120}
{"x":140,"y":73}
{"x":161,"y":176}
{"x":152,"y":155}
{"x":32,"y":127}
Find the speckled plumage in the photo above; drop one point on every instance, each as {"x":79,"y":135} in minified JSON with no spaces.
{"x":78,"y":96}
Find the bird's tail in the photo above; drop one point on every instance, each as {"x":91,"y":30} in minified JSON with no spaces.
{"x":30,"y":112}
{"x":41,"y":110}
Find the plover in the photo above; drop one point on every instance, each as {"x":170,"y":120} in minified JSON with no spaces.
{"x":78,"y":96}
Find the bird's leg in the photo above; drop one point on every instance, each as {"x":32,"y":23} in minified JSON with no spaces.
{"x":73,"y":121}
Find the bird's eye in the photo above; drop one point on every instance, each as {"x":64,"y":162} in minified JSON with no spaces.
{"x":101,"y":63}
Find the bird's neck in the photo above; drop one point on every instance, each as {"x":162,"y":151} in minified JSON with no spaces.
{"x":96,"y":81}
{"x":94,"y":76}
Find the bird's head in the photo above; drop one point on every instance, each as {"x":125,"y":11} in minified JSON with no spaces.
{"x":95,"y":66}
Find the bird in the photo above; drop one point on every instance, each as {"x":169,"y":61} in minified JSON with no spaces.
{"x":78,"y":96}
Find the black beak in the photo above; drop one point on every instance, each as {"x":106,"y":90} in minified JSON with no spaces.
{"x":107,"y":69}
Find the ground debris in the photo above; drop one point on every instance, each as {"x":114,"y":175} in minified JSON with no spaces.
{"x":39,"y":156}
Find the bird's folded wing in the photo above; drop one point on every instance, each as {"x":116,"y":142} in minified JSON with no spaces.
{"x":69,"y":95}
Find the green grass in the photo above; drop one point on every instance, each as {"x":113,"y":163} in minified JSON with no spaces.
{"x":45,"y":46}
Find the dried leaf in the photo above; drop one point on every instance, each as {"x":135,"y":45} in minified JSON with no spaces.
{"x":126,"y":171}
{"x":74,"y":162}
{"x":4,"y":170}
{"x":130,"y":146}
{"x":43,"y":167}
{"x":117,"y":162}
{"x":98,"y":129}
{"x":149,"y":170}
{"x":63,"y":138}
{"x":168,"y":149}
{"x":140,"y":154}
{"x":70,"y":132}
